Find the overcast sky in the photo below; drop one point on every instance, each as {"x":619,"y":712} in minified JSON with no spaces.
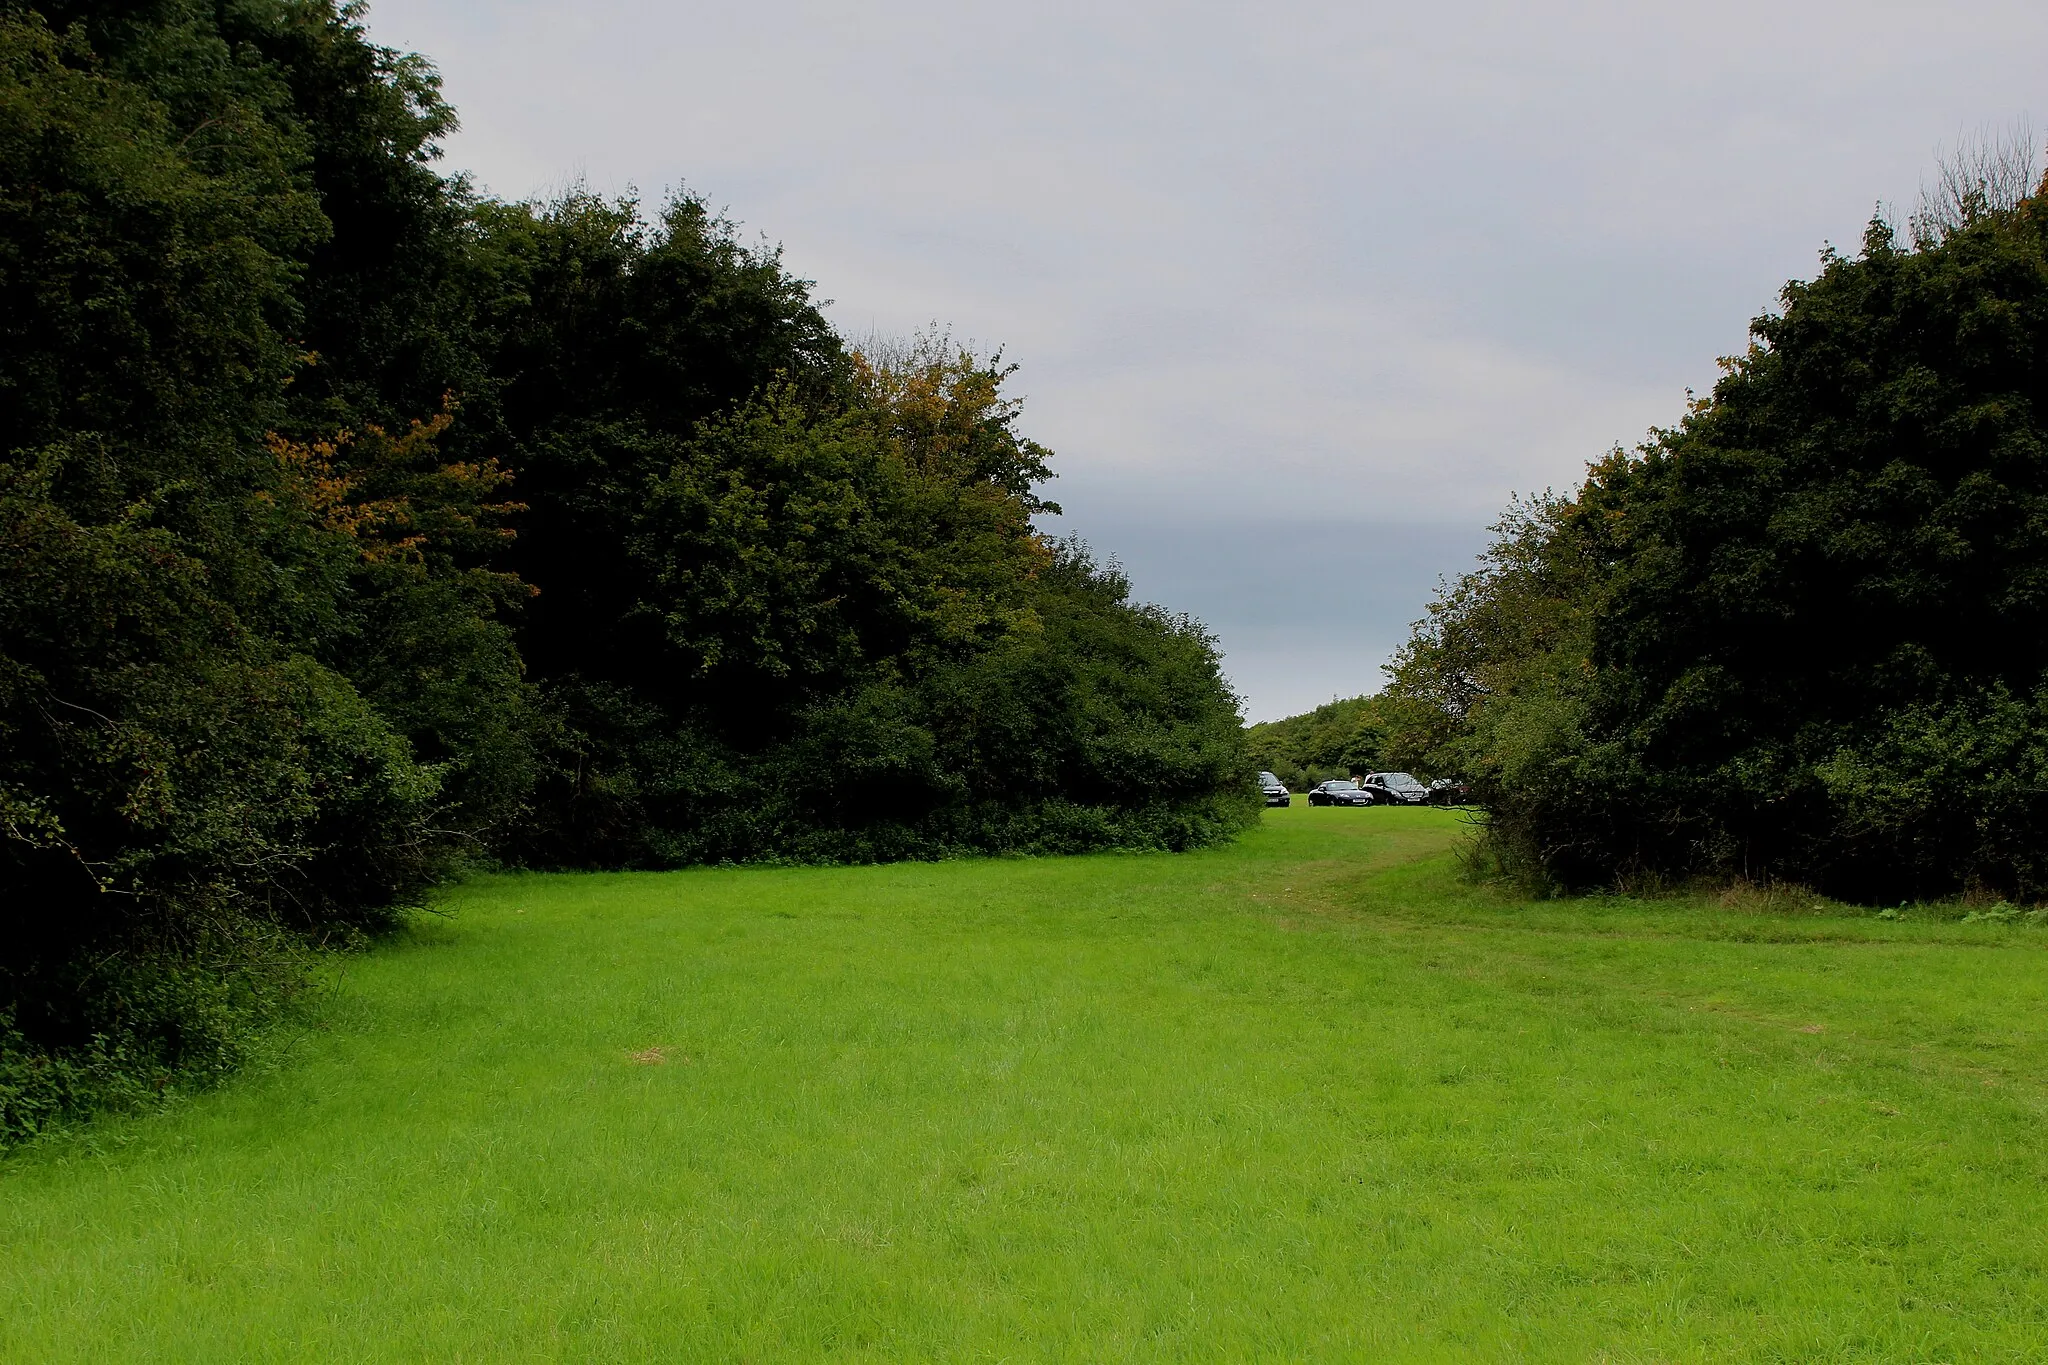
{"x":1301,"y":291}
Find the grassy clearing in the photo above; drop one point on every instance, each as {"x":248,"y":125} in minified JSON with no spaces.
{"x":1308,"y":1097}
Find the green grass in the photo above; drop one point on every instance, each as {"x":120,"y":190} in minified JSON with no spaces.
{"x":1308,"y":1097}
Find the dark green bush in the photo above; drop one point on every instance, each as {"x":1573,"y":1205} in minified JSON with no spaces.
{"x":1092,"y":724}
{"x":192,"y":783}
{"x":1803,"y":635}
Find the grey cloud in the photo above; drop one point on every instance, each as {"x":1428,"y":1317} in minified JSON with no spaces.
{"x":1369,"y":265}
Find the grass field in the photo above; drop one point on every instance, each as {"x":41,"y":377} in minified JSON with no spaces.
{"x":1311,"y":1097}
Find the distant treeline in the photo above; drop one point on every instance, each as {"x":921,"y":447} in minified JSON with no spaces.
{"x":352,"y":524}
{"x":1344,"y":737}
{"x":1803,"y":634}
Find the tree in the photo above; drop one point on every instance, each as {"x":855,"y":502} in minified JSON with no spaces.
{"x":814,"y":585}
{"x":352,"y":526}
{"x":1802,"y":633}
{"x":191,"y":780}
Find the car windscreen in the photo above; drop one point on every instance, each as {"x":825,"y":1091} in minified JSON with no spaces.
{"x":1269,"y":779}
{"x":1400,"y":780}
{"x":1340,"y":786}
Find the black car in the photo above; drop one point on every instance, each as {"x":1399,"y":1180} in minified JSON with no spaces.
{"x":1275,"y":790}
{"x":1395,"y":789}
{"x":1449,"y":791}
{"x":1339,"y":792}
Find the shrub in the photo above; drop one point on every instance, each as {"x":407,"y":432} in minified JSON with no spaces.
{"x":1802,"y":635}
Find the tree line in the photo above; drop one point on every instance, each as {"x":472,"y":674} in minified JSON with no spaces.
{"x":354,"y":524}
{"x":1344,"y":737}
{"x":1803,"y":633}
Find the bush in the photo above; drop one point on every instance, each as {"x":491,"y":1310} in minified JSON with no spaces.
{"x":1804,"y":634}
{"x":192,"y":783}
{"x":1094,"y":724}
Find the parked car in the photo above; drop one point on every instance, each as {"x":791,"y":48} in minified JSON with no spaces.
{"x":1395,"y":789}
{"x":1449,"y":791}
{"x":1275,"y":790}
{"x":1339,"y":791}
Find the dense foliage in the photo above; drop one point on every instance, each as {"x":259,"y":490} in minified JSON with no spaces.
{"x":351,"y":524}
{"x":1344,"y":737}
{"x":1803,"y":634}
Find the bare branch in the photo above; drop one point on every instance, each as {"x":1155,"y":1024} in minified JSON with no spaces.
{"x":1988,"y":173}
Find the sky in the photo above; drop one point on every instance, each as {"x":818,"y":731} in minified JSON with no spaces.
{"x":1301,"y":293}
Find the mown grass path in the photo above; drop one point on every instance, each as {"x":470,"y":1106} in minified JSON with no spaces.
{"x":1309,"y":1097}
